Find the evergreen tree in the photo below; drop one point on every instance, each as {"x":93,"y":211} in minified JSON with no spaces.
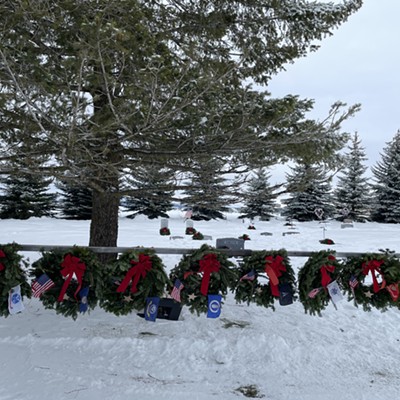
{"x":309,"y":190}
{"x":353,"y":191}
{"x":75,"y":201}
{"x":154,"y":196}
{"x":387,"y":187}
{"x":26,"y":196}
{"x":260,"y":200}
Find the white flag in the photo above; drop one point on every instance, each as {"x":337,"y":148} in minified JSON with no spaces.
{"x":334,"y":292}
{"x":15,"y":304}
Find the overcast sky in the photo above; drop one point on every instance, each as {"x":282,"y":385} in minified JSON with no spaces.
{"x":360,"y":63}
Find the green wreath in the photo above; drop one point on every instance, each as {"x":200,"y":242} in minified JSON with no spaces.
{"x":128,"y":281}
{"x":195,"y":269}
{"x":320,"y":269}
{"x":262,"y":275}
{"x":72,"y":272}
{"x":11,"y":275}
{"x":380,"y":295}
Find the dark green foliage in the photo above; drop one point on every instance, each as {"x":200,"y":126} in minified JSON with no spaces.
{"x":25,"y":196}
{"x":364,"y":294}
{"x":50,"y":264}
{"x":197,"y":236}
{"x":259,"y":290}
{"x":11,"y":275}
{"x":353,"y":191}
{"x":309,"y":278}
{"x":259,"y":198}
{"x":309,"y":189}
{"x":187,"y":271}
{"x":75,"y":201}
{"x":387,"y":184}
{"x":152,"y":285}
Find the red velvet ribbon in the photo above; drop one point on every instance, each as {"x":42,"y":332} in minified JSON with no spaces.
{"x":274,"y":268}
{"x":208,"y":265}
{"x":373,"y":266}
{"x":2,"y":255}
{"x":139,"y":270}
{"x":71,"y":265}
{"x":325,"y":277}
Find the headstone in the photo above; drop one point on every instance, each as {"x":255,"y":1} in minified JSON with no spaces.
{"x":347,"y":223}
{"x":167,"y":309}
{"x":230,"y":243}
{"x":189,"y":224}
{"x":175,"y":237}
{"x":207,"y":237}
{"x":266,"y":234}
{"x":164,"y":223}
{"x":290,"y":233}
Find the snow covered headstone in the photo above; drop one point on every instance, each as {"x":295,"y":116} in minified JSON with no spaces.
{"x":230,"y":243}
{"x":164,"y":223}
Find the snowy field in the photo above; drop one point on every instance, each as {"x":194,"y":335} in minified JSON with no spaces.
{"x":346,"y":354}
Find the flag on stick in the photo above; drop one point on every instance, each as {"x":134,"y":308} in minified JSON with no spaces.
{"x":250,"y":276}
{"x":334,"y":292}
{"x":41,"y":284}
{"x":15,"y":304}
{"x":214,"y":305}
{"x":176,"y":291}
{"x":313,"y":293}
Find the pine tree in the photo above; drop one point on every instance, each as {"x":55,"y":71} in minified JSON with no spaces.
{"x":26,"y":196}
{"x":154,"y":196}
{"x":387,"y":187}
{"x":353,"y":191}
{"x":75,"y":201}
{"x":260,"y":200}
{"x":309,"y":190}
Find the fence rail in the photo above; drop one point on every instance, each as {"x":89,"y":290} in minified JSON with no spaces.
{"x":167,"y":250}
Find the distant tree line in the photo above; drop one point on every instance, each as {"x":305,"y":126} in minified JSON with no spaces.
{"x":308,"y":188}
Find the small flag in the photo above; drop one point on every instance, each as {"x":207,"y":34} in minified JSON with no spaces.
{"x":41,"y":284}
{"x":15,"y":304}
{"x":313,"y":293}
{"x":176,"y":291}
{"x":214,"y":305}
{"x":250,"y":276}
{"x":151,"y":309}
{"x":353,"y":282}
{"x":285,"y":294}
{"x":83,"y":304}
{"x":334,"y":292}
{"x":393,"y":290}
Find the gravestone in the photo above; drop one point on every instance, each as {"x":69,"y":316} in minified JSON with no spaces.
{"x":189,"y":224}
{"x":164,"y":223}
{"x":230,"y":243}
{"x":207,"y":237}
{"x":347,"y":223}
{"x":167,"y":309}
{"x":290,"y":233}
{"x":266,"y":234}
{"x":175,"y":237}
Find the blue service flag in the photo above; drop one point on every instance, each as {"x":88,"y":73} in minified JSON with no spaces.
{"x":15,"y":304}
{"x":83,"y":304}
{"x":214,"y":305}
{"x":151,"y":309}
{"x":285,"y":294}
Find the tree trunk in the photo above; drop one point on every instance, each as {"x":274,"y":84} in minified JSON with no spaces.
{"x":104,"y":223}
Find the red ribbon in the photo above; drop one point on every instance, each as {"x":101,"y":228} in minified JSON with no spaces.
{"x":2,"y":255}
{"x":373,"y":266}
{"x":325,"y":278}
{"x":208,"y":264}
{"x":71,"y":265}
{"x":139,"y":270}
{"x":274,"y":268}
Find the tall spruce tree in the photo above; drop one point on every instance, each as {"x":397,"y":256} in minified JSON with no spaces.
{"x":387,"y":184}
{"x":153,"y":194}
{"x":260,"y":199}
{"x":353,"y":192}
{"x":75,"y":201}
{"x":103,"y":87}
{"x":309,"y":189}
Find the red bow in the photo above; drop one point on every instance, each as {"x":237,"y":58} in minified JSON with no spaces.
{"x":71,"y":265}
{"x":208,"y":264}
{"x":373,"y":266}
{"x":2,"y":255}
{"x":274,"y":268}
{"x":325,"y":278}
{"x":139,"y":270}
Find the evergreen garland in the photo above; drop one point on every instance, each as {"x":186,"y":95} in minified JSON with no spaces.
{"x":188,"y":271}
{"x":153,"y":284}
{"x":311,"y":276}
{"x":372,"y":294}
{"x":11,"y":275}
{"x":51,"y":263}
{"x":258,"y":290}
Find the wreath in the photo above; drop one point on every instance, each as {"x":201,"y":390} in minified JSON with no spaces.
{"x":74,"y":275}
{"x":205,"y":271}
{"x":265,"y":276}
{"x":11,"y":274}
{"x":197,"y":236}
{"x":318,"y":272}
{"x":327,"y":241}
{"x":165,"y":231}
{"x":372,"y":280}
{"x":190,"y":230}
{"x":128,"y":281}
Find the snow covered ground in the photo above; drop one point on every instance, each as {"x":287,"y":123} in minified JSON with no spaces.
{"x":346,"y":354}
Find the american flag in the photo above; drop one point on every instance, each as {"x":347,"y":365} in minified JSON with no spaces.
{"x":313,"y":293}
{"x":176,"y":291}
{"x":250,"y":276}
{"x":353,"y":282}
{"x":41,"y":284}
